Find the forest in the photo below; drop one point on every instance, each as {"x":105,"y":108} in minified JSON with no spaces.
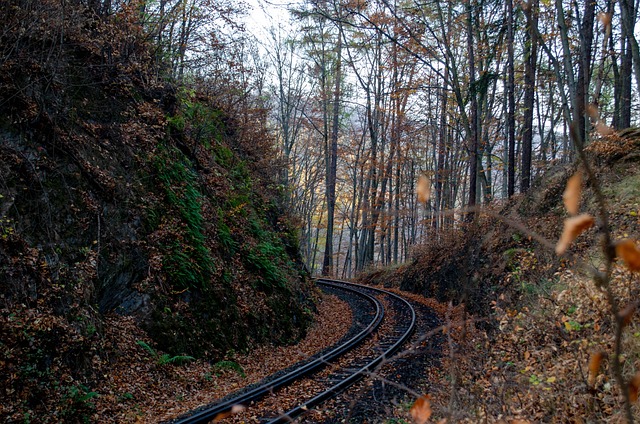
{"x":174,"y":175}
{"x":477,"y":96}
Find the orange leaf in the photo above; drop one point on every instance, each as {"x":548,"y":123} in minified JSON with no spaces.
{"x":594,"y":366}
{"x":572,"y":193}
{"x":235,"y":409}
{"x":424,"y":188}
{"x":573,"y":227}
{"x":634,"y":387}
{"x":629,"y":253}
{"x":421,"y":410}
{"x":593,"y":111}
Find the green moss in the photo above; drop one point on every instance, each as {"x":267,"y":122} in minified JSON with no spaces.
{"x":263,"y":260}
{"x":222,"y":155}
{"x":225,"y":238}
{"x":188,"y":261}
{"x":176,"y":123}
{"x":202,"y":123}
{"x":628,"y":189}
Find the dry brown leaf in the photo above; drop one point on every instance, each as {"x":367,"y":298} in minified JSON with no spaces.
{"x":594,"y":366}
{"x":221,"y":416}
{"x":634,"y":387}
{"x":593,"y":112}
{"x":629,"y":253}
{"x":573,"y":227}
{"x":572,"y":193}
{"x":605,"y":19}
{"x":604,"y":129}
{"x":626,"y":314}
{"x":421,"y":410}
{"x":424,"y":188}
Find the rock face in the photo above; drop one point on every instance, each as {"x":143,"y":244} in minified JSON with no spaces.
{"x":121,"y":194}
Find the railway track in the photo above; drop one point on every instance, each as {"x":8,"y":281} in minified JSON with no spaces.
{"x":378,"y":307}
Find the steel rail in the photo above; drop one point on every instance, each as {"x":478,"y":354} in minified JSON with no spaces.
{"x":210,"y":413}
{"x":299,"y":410}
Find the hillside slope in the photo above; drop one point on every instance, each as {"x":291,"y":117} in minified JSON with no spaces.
{"x":124,"y":195}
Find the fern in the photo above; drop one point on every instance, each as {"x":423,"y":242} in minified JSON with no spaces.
{"x":175,"y":360}
{"x":165,"y":358}
{"x":220,"y":366}
{"x":148,"y":348}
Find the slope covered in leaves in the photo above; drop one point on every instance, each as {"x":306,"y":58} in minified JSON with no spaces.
{"x":540,"y":342}
{"x":121,"y":193}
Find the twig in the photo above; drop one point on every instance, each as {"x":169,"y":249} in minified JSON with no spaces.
{"x":608,"y":249}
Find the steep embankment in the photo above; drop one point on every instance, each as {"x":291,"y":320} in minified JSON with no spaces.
{"x":508,"y":250}
{"x":121,"y":194}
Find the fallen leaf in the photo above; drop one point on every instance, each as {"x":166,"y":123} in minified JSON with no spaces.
{"x":235,"y":409}
{"x":424,"y":188}
{"x":572,"y":193}
{"x":421,"y":410}
{"x":629,"y":253}
{"x":573,"y":227}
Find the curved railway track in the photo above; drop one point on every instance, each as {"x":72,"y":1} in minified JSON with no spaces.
{"x":388,"y":342}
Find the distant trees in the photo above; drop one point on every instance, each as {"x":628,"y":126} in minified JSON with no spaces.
{"x":477,"y":94}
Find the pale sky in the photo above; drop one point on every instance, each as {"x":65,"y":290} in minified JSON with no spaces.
{"x":267,"y":13}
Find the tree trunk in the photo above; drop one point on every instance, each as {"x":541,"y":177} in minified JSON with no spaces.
{"x":473,"y":116}
{"x":511,"y":104}
{"x":584,"y":66}
{"x":628,"y":12}
{"x":531,"y":58}
{"x":327,"y":263}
